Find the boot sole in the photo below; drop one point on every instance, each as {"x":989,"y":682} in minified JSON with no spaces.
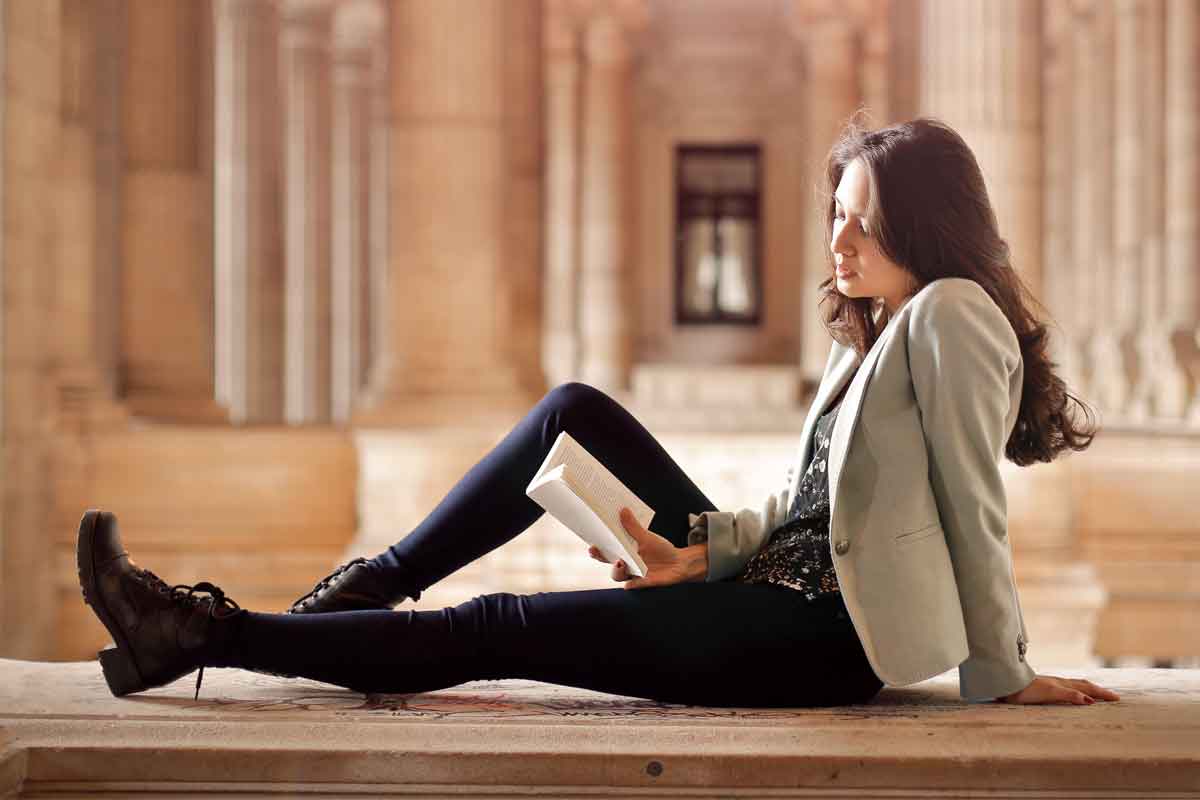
{"x":120,"y":672}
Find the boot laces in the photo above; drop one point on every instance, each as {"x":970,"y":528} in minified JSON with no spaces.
{"x":328,"y":580}
{"x":184,"y":595}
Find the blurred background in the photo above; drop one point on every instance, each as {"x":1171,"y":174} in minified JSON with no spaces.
{"x":277,"y":273}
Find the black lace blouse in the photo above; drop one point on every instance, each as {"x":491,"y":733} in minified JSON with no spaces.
{"x":796,"y":554}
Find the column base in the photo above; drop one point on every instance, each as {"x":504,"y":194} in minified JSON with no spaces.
{"x":177,"y":407}
{"x":447,"y":409}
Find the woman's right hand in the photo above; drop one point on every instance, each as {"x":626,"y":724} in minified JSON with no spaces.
{"x":665,"y":563}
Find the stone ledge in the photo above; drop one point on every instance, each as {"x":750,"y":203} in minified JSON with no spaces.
{"x":260,"y":735}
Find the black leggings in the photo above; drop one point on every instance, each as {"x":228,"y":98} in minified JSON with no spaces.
{"x":718,"y":644}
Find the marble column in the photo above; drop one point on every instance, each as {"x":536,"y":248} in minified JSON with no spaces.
{"x":357,"y":28}
{"x":519,"y":288}
{"x":1109,"y":382}
{"x":1130,"y":198}
{"x":31,"y":157}
{"x":605,"y":314}
{"x":1062,"y":159}
{"x":1179,"y":388}
{"x":876,"y":73}
{"x":248,"y":257}
{"x":378,"y":214}
{"x":832,"y":50}
{"x":451,"y":352}
{"x":305,"y":76}
{"x":89,"y":217}
{"x":1086,"y":198}
{"x":563,"y":70}
{"x":981,"y":73}
{"x":1151,"y":342}
{"x":166,"y":212}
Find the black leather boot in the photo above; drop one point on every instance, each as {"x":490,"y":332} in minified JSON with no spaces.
{"x":353,"y":586}
{"x":161,"y":632}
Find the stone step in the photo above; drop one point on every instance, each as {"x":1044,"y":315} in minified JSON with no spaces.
{"x":61,"y":731}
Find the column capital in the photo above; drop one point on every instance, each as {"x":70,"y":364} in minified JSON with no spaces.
{"x":305,"y":22}
{"x":603,"y":27}
{"x":561,"y":25}
{"x":358,"y":25}
{"x":834,"y":15}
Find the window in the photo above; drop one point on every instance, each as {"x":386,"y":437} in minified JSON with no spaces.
{"x":717,"y":241}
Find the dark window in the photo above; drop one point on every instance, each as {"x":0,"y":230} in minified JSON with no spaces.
{"x":717,"y":234}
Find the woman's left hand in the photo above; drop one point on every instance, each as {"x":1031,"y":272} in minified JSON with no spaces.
{"x":1053,"y":689}
{"x":666,"y":564}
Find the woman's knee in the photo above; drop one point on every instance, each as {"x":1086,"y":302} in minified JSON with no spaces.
{"x":571,"y":394}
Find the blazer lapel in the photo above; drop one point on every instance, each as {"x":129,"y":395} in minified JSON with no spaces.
{"x":847,"y":417}
{"x":838,"y":370}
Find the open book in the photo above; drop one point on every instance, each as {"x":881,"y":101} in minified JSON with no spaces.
{"x":582,"y":494}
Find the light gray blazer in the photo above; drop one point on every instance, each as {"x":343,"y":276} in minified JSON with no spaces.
{"x":918,"y":512}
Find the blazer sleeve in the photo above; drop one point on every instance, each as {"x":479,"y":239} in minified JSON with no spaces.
{"x":963,"y":358}
{"x":735,"y":536}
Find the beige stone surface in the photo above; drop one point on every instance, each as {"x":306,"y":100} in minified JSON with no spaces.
{"x":251,"y":732}
{"x":262,"y":513}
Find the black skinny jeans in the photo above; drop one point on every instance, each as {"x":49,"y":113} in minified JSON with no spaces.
{"x":719,"y":644}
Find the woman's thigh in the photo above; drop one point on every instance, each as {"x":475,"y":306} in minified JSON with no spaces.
{"x":719,"y":644}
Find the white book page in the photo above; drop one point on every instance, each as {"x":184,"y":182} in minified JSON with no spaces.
{"x":565,"y":505}
{"x":600,"y":490}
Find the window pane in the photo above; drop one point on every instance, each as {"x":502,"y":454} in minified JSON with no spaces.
{"x":736,"y":286}
{"x":699,"y":266}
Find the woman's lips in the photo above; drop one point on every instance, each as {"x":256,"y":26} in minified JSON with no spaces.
{"x":842,"y":272}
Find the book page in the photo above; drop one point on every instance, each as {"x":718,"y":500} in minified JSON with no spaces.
{"x":601,"y":491}
{"x":566,"y":506}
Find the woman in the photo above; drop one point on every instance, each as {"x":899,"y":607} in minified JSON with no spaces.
{"x":884,"y":560}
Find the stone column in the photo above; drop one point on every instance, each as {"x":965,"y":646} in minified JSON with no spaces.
{"x":1109,"y":383}
{"x":89,"y":218}
{"x":248,"y":258}
{"x":1130,"y":198}
{"x":451,"y":351}
{"x":1152,"y":348}
{"x":379,"y":213}
{"x":832,"y":50}
{"x":357,"y":27}
{"x":1060,"y":279}
{"x":1085,"y":202}
{"x":605,"y":315}
{"x":981,"y":73}
{"x":30,"y":152}
{"x":305,"y":73}
{"x":166,"y":212}
{"x":561,"y":53}
{"x":1179,"y":387}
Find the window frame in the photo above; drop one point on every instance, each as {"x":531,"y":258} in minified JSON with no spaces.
{"x":752,"y":200}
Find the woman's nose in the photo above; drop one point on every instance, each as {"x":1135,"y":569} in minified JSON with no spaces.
{"x":839,"y":245}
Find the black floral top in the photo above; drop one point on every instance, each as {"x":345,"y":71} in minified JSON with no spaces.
{"x":796,"y":554}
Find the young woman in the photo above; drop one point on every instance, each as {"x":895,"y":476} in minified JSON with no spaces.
{"x":883,"y":561}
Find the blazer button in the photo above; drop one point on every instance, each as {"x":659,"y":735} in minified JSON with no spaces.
{"x":842,"y":547}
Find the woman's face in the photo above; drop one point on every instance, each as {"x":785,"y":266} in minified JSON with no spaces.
{"x":862,"y":268}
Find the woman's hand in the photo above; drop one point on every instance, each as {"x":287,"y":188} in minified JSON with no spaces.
{"x":665,"y":563}
{"x":1052,"y":689}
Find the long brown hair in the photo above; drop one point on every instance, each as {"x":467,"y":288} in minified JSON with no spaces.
{"x":930,"y":213}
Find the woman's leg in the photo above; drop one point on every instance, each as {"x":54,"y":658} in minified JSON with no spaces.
{"x":488,"y":506}
{"x":720,"y":644}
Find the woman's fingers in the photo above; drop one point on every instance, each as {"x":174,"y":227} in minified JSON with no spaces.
{"x":596,"y":554}
{"x":1099,"y":692}
{"x":619,"y":572}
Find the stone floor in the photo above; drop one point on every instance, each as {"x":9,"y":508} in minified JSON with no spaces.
{"x":63,"y":734}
